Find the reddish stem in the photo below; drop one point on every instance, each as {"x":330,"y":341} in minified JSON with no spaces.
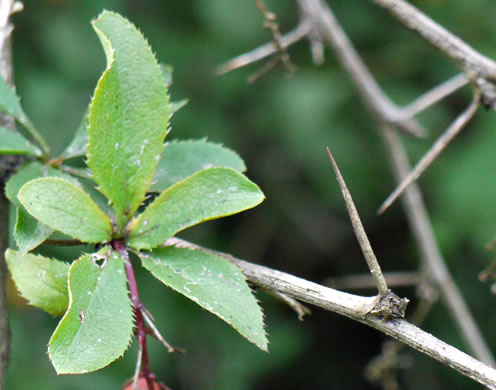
{"x":140,"y":321}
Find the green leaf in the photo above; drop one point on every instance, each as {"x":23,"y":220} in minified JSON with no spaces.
{"x":40,"y":280}
{"x":30,"y":171}
{"x":182,"y":159}
{"x":128,"y":117}
{"x":29,"y":232}
{"x":79,"y":143}
{"x":208,"y":194}
{"x":12,"y":222}
{"x":9,"y":103}
{"x":214,"y":283}
{"x":65,"y":207}
{"x":102,"y":202}
{"x":176,"y":106}
{"x":15,"y":143}
{"x":97,"y":328}
{"x":167,"y":71}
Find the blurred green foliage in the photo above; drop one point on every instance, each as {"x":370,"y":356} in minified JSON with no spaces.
{"x":280,"y":125}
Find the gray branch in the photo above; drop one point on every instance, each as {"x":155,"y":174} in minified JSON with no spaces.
{"x":326,"y":24}
{"x":451,"y":132}
{"x":316,"y":13}
{"x":437,"y":270}
{"x":266,"y":50}
{"x":416,"y":212}
{"x":477,"y":67}
{"x":461,"y":53}
{"x":434,"y":95}
{"x":357,"y":308}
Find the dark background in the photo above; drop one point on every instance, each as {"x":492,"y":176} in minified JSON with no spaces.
{"x":280,"y":125}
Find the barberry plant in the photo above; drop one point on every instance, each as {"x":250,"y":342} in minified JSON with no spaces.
{"x":146,"y":192}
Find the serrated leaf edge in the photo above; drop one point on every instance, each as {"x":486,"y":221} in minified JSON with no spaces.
{"x":19,"y":290}
{"x":206,"y":141}
{"x":134,"y":223}
{"x":69,"y":183}
{"x":30,"y":248}
{"x":69,"y":307}
{"x":106,"y":43}
{"x":263,"y":347}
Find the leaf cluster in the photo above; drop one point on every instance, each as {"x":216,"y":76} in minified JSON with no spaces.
{"x":122,"y":137}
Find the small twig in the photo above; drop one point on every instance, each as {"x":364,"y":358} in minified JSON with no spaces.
{"x":64,"y":242}
{"x":147,"y":312}
{"x":138,"y":369}
{"x":271,"y":24}
{"x":393,"y":279}
{"x":279,"y":48}
{"x":434,"y":95}
{"x":157,"y":334}
{"x":316,"y":47}
{"x":436,"y":149}
{"x":382,"y":369}
{"x":300,"y":309}
{"x":491,"y":244}
{"x":489,"y":273}
{"x":368,"y":253}
{"x":266,"y":50}
{"x":263,"y":70}
{"x":315,"y":37}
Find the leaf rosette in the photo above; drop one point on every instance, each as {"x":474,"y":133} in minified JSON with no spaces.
{"x":123,"y":135}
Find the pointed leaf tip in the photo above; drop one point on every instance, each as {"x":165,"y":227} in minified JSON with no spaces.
{"x":10,"y":103}
{"x":15,"y":143}
{"x":213,"y":283}
{"x":29,"y":232}
{"x":128,"y":117}
{"x":209,"y":194}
